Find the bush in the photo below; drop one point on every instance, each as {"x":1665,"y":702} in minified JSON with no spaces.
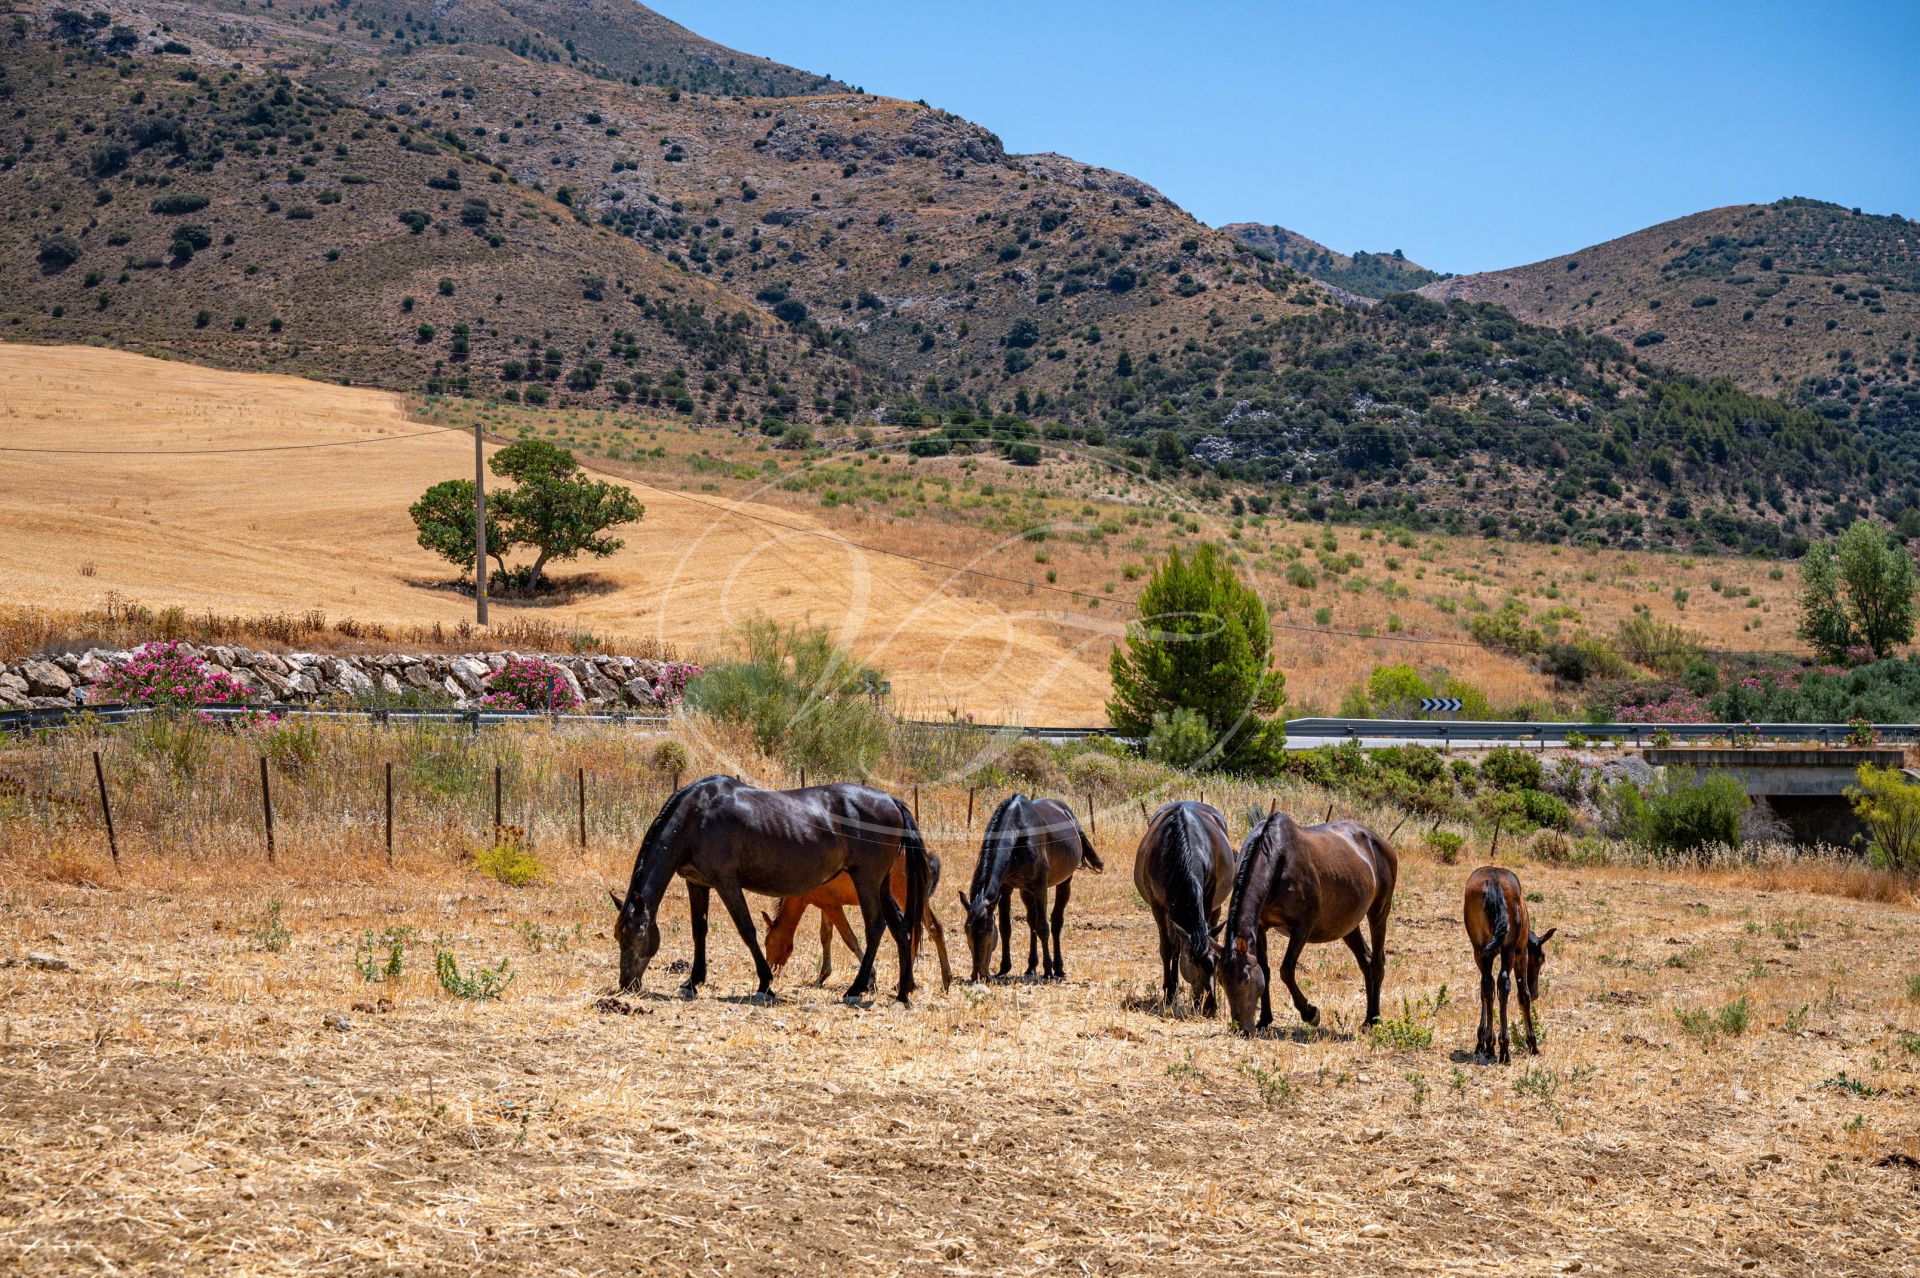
{"x":177,"y":203}
{"x":1445,"y":844}
{"x":1179,"y":738}
{"x":508,"y":860}
{"x":801,"y":699}
{"x":1031,"y":764}
{"x":529,"y":683}
{"x":1889,"y":806}
{"x":1550,"y":845}
{"x":1539,"y":808}
{"x":670,"y":757}
{"x":1687,"y":815}
{"x":1509,"y":768}
{"x":58,"y":252}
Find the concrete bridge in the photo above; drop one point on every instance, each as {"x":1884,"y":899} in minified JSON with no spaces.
{"x":1805,"y":787}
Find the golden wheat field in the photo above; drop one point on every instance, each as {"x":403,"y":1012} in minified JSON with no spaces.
{"x":326,"y":529}
{"x":920,"y":566}
{"x":1727,"y":1082}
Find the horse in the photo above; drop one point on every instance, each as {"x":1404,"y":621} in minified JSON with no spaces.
{"x":1183,"y":870}
{"x":1319,"y":883}
{"x":1030,"y":845}
{"x":1496,"y":917}
{"x":832,"y":898}
{"x":723,"y":835}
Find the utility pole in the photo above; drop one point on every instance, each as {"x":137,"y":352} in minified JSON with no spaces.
{"x":479,"y":530}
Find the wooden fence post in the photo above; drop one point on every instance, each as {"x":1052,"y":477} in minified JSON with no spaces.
{"x":1494,"y":851}
{"x":106,"y":808}
{"x":1093,"y":818}
{"x":389,"y":814}
{"x":916,"y":803}
{"x":266,"y":805}
{"x":496,"y":801}
{"x":970,"y":790}
{"x":583,"y":809}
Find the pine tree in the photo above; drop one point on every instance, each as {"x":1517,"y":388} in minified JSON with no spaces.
{"x":1203,"y":645}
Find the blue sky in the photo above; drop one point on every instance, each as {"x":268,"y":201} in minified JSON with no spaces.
{"x":1472,"y":136}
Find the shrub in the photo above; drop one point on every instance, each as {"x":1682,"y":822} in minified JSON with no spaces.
{"x":381,"y":956}
{"x":530,"y":683}
{"x":480,"y":983}
{"x":168,"y":674}
{"x":1509,"y":768}
{"x":1445,"y":844}
{"x":671,"y":757}
{"x":58,"y":252}
{"x":1180,"y":738}
{"x":177,"y":203}
{"x":1032,"y":764}
{"x":267,"y":932}
{"x":1709,"y":1024}
{"x":1688,"y":814}
{"x":508,"y":860}
{"x":1539,"y":808}
{"x":1550,"y":845}
{"x":801,"y":698}
{"x":1889,"y":806}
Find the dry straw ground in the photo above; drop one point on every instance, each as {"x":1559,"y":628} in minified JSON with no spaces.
{"x":181,"y":1101}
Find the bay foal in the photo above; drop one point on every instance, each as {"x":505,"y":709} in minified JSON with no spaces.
{"x":1497,"y":924}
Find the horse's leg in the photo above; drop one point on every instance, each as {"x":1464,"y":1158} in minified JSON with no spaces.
{"x":1296,"y":942}
{"x":1035,"y":899}
{"x":1060,"y":896}
{"x":1169,"y":966}
{"x":839,"y":916}
{"x":736,"y":902}
{"x":874,"y":898}
{"x":897,"y":923}
{"x":1006,"y":933}
{"x":697,"y":900}
{"x":1266,"y":985}
{"x":940,"y":945}
{"x":826,"y":945}
{"x":1358,"y":945}
{"x":1377,"y":974}
{"x":1483,"y":1037}
{"x":1526,"y":1015}
{"x":1506,"y":986}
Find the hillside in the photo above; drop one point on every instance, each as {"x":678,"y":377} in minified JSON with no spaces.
{"x":1364,"y":274}
{"x":1797,"y":296}
{"x":460,"y":202}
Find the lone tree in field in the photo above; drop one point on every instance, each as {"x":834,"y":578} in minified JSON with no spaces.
{"x":554,"y":509}
{"x":1857,"y":594}
{"x":1202,"y":645}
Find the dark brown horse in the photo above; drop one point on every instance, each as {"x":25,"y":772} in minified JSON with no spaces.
{"x":1318,"y":883}
{"x":1183,"y":869}
{"x":832,"y":899}
{"x":722,"y":835}
{"x":1497,"y":924}
{"x":1031,"y":846}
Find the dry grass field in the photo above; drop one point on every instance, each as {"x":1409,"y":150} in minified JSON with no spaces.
{"x":327,"y":530}
{"x":725,"y":537}
{"x":191,"y":1098}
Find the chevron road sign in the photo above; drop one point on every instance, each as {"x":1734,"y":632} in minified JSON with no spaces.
{"x":1431,"y":705}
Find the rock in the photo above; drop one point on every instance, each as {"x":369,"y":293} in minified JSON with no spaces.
{"x":390,"y":685}
{"x":1373,"y":1231}
{"x":353,"y":680}
{"x":600,"y":690}
{"x":638,"y":692}
{"x":67,"y":661}
{"x":303,"y":684}
{"x":49,"y":962}
{"x":273,"y":681}
{"x":452,"y":688}
{"x":469,"y":673}
{"x":573,"y":683}
{"x":335,"y":1021}
{"x":419,"y":676}
{"x":45,"y":679}
{"x":267,"y":661}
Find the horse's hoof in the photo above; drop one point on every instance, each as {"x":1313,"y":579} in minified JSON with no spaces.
{"x":1311,"y":1015}
{"x":689,"y":990}
{"x":761,"y":998}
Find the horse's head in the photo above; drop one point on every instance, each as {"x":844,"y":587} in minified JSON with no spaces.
{"x":1198,"y":954}
{"x":1536,"y":959}
{"x":638,"y":938}
{"x":778,"y":943}
{"x":979,"y":926}
{"x":1245,"y":982}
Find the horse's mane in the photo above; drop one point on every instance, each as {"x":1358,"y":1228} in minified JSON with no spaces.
{"x":996,"y":846}
{"x":1185,"y":903}
{"x":1259,"y":850}
{"x":656,"y":830}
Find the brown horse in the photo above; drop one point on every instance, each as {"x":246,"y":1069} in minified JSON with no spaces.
{"x":1496,"y":916}
{"x":1319,"y":883}
{"x":832,"y":899}
{"x":1183,"y":870}
{"x":1030,"y":846}
{"x":723,"y":835}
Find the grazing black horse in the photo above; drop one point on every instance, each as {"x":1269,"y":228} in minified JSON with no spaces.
{"x":1184,"y":872}
{"x":723,"y":835}
{"x":1031,"y":845}
{"x":1318,"y":883}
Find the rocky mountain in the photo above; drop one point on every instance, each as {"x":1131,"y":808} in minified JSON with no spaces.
{"x":1363,"y":274}
{"x":579,"y":203}
{"x":1781,"y":296}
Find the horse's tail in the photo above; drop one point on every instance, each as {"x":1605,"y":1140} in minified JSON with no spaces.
{"x":1087,"y":853}
{"x":1495,"y":901}
{"x":919,"y":872}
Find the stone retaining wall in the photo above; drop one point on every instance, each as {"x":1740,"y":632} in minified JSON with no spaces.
{"x":603,"y":682}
